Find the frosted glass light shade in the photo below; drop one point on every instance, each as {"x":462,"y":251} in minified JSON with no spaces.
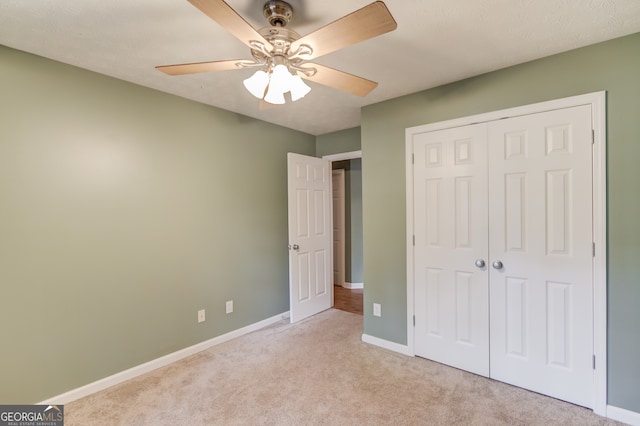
{"x":298,"y":88}
{"x":271,"y":86}
{"x":280,"y":79}
{"x":274,"y":95}
{"x":257,"y":84}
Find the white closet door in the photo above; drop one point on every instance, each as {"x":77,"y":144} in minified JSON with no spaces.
{"x":451,"y":293}
{"x":540,"y":221}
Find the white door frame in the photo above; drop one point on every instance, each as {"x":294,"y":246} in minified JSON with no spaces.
{"x":597,"y":100}
{"x":351,"y":155}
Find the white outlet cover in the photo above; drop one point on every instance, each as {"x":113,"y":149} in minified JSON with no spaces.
{"x":377,"y":310}
{"x":201,"y":316}
{"x":229,"y":306}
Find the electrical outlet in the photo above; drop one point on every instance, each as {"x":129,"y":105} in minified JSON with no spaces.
{"x":201,"y":317}
{"x":229,"y":306}
{"x":377,"y":310}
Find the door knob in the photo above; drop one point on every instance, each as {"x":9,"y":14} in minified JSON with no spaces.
{"x":498,"y":264}
{"x":294,"y":247}
{"x":480,"y":263}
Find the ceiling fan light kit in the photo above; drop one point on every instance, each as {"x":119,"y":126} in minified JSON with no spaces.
{"x":282,"y":56}
{"x":271,"y":82}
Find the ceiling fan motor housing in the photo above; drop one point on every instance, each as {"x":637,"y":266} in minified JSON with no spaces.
{"x":280,"y":39}
{"x":278,"y":12}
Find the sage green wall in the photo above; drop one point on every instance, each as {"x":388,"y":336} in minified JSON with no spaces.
{"x":338,"y":142}
{"x":356,"y":274}
{"x":613,"y":66}
{"x":123,"y":211}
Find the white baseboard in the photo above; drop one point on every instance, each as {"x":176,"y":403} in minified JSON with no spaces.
{"x":622,"y":415}
{"x":353,"y":285}
{"x":392,"y":346}
{"x":138,"y":370}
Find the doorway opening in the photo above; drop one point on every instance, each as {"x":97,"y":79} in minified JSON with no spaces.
{"x":347,"y":231}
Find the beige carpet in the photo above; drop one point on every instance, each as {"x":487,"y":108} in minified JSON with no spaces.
{"x":317,"y":372}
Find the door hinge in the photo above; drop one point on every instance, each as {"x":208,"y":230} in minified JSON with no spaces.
{"x":594,"y":362}
{"x":593,"y":249}
{"x":593,"y":136}
{"x":414,"y":320}
{"x":414,"y":240}
{"x":413,"y":159}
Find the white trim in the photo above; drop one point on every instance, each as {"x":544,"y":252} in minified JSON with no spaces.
{"x":392,"y":346}
{"x":600,"y":259}
{"x":410,"y":232}
{"x":343,"y":156}
{"x":138,"y":370}
{"x":622,"y":415}
{"x":597,"y":100}
{"x":353,"y":285}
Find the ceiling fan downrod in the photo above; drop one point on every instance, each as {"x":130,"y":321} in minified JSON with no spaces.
{"x":278,"y":13}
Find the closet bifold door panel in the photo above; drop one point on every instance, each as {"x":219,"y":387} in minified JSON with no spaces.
{"x":540,"y":222}
{"x":451,"y":292}
{"x":502,"y":258}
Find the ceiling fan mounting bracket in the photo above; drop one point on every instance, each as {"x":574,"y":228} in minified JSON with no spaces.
{"x":279,"y":13}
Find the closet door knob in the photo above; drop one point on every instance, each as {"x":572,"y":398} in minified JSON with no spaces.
{"x":498,"y":264}
{"x":480,"y":263}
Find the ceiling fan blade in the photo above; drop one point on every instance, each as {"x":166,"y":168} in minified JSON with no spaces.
{"x":340,"y":80}
{"x":228,"y":18}
{"x":264,"y":105}
{"x":363,"y":24}
{"x":198,"y":67}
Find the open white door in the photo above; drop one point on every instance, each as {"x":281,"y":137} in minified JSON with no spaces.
{"x":310,"y":258}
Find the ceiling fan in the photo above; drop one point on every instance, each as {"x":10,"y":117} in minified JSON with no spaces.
{"x":283,"y":56}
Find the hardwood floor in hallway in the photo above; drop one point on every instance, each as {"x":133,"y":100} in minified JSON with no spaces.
{"x":349,"y":300}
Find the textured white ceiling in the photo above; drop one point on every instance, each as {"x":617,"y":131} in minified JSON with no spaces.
{"x":437,"y":42}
